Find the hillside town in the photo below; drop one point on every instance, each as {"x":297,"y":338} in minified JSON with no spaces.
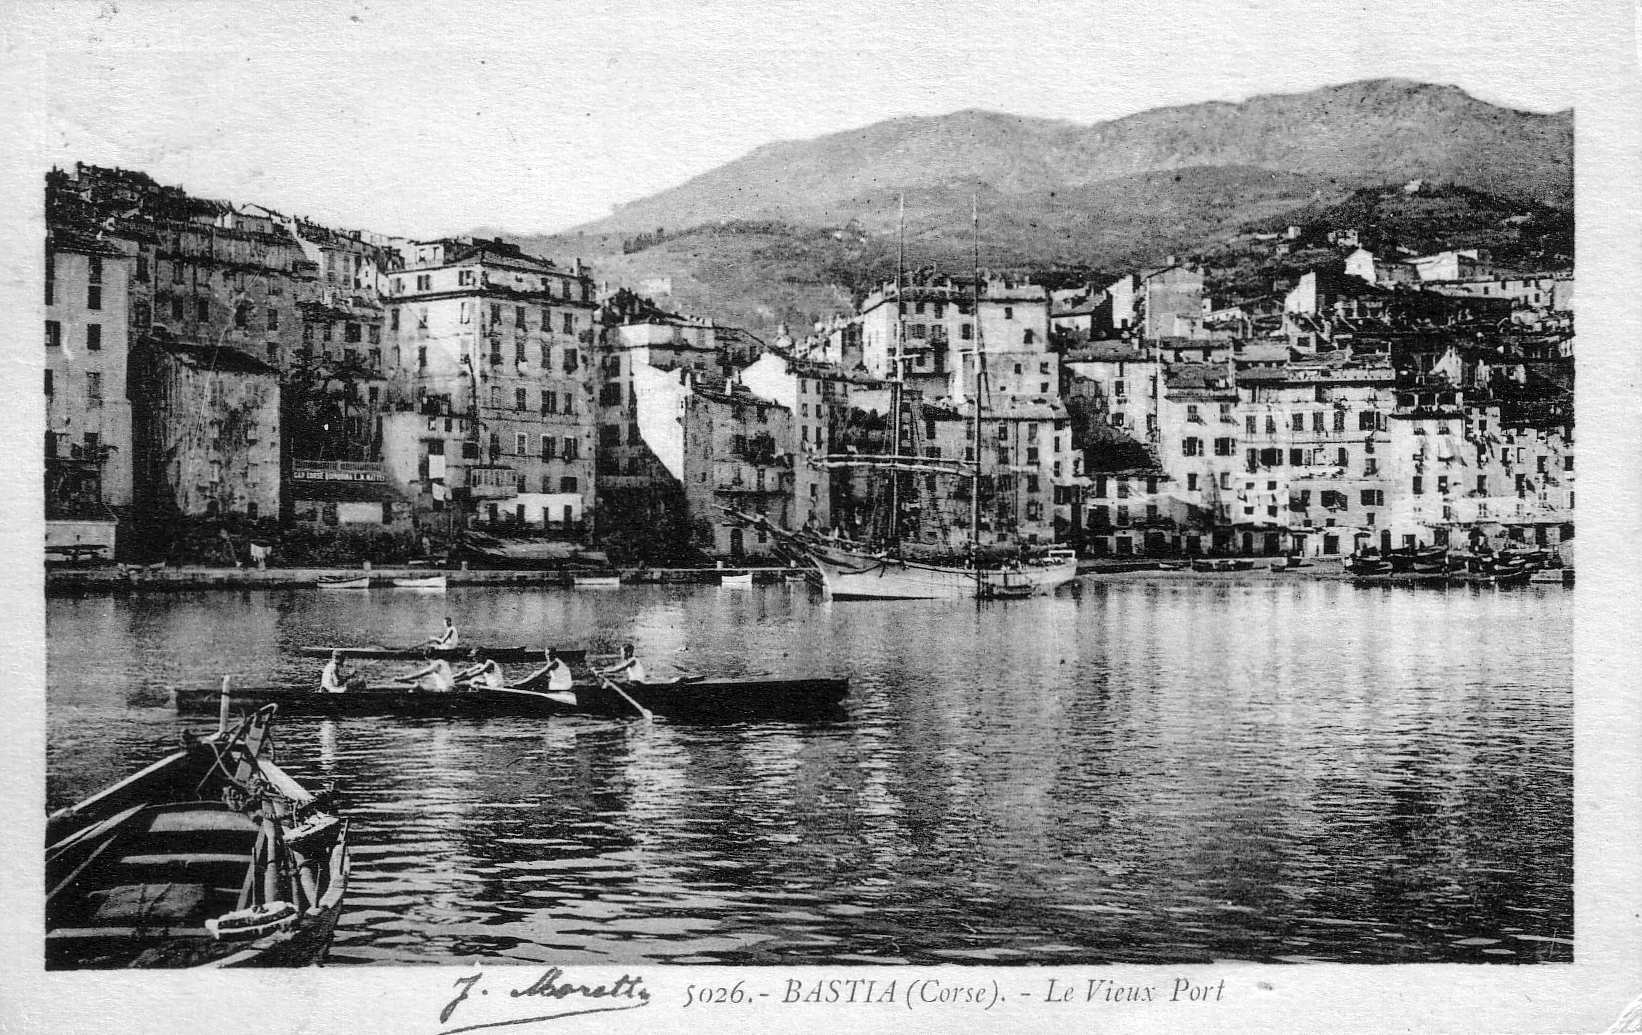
{"x":230,"y":384}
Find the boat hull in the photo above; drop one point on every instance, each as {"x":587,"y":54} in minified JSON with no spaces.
{"x":140,"y":873}
{"x":497,"y":654}
{"x":855,"y":577}
{"x":727,"y":700}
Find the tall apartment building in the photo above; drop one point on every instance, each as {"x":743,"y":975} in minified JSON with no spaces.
{"x":499,"y":342}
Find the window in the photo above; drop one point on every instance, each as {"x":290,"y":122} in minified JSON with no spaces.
{"x":94,"y":296}
{"x":1297,"y":458}
{"x":519,"y":444}
{"x":202,"y":312}
{"x":1372,"y":497}
{"x":1365,"y":420}
{"x":1027,"y":337}
{"x":570,"y":364}
{"x":521,"y":401}
{"x":470,"y":450}
{"x":351,"y":333}
{"x":1008,"y":312}
{"x":1191,"y":482}
{"x":464,"y":278}
{"x":1191,"y":447}
{"x":496,"y":396}
{"x":94,"y":337}
{"x":1568,"y":462}
{"x":572,"y":448}
{"x":424,"y":281}
{"x":1339,"y":420}
{"x":1271,"y":424}
{"x":1122,"y":516}
{"x":519,"y":352}
{"x":519,"y":317}
{"x":1222,"y":447}
{"x":1225,"y":479}
{"x":569,"y":320}
{"x":1442,"y":484}
{"x":1419,"y":486}
{"x":1343,"y":457}
{"x":550,"y":403}
{"x":464,"y":314}
{"x":393,"y":319}
{"x":549,"y":447}
{"x":1371,"y":466}
{"x":967,"y":331}
{"x":273,"y":319}
{"x":51,"y":276}
{"x":567,"y":485}
{"x":1317,"y":422}
{"x":176,"y":271}
{"x":1298,"y":422}
{"x":495,"y":313}
{"x":48,"y":392}
{"x":94,"y":388}
{"x":54,"y":334}
{"x":1251,"y":425}
{"x":176,"y":310}
{"x":422,"y":358}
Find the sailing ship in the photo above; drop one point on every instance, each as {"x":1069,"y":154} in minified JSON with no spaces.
{"x":903,"y":565}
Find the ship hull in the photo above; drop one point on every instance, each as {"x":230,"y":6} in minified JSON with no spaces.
{"x":859,"y":577}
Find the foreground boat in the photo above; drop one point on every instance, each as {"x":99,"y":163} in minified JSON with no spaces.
{"x":211,"y":857}
{"x":697,"y":700}
{"x":500,"y":655}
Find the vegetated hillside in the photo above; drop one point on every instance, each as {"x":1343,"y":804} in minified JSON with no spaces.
{"x":796,"y":230}
{"x":1377,"y":131}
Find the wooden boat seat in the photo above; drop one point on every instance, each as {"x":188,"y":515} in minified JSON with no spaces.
{"x":200,"y":819}
{"x":149,"y":905}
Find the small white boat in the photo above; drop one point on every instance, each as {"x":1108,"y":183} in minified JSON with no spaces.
{"x":742,"y":581}
{"x":421,"y":582}
{"x":601,"y":581}
{"x":346,"y":582}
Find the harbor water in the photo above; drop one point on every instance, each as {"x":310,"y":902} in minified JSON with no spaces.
{"x":1175,"y":770}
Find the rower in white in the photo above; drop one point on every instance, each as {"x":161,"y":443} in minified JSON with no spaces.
{"x":446,"y":640}
{"x":629,"y":669}
{"x":435,"y":675}
{"x":555,"y":672}
{"x":483,"y":672}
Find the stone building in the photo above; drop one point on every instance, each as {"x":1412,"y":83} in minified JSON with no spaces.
{"x":479,"y":330}
{"x":738,"y":453}
{"x":88,"y":457}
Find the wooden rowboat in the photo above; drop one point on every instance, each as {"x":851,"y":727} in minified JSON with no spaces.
{"x":421,"y":582}
{"x":211,"y":857}
{"x":500,"y":655}
{"x":345,"y":582}
{"x":697,"y":700}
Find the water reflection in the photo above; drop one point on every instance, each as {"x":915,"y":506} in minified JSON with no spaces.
{"x":1170,"y":771}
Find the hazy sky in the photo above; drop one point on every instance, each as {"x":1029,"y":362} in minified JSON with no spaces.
{"x":429,"y":118}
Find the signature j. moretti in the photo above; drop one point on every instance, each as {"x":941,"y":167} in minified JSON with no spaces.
{"x":573,"y":998}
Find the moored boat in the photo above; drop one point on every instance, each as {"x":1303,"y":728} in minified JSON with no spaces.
{"x":421,"y":582}
{"x":702,"y":700}
{"x":211,"y":857}
{"x":741,"y":581}
{"x":345,"y":582}
{"x":596,"y":580}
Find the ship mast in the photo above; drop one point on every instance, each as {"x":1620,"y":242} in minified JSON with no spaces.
{"x":980,"y":390}
{"x":895,"y":378}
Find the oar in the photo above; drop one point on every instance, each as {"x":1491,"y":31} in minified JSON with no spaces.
{"x":611,"y":685}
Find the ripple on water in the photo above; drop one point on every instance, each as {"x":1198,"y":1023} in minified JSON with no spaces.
{"x":1320,"y":775}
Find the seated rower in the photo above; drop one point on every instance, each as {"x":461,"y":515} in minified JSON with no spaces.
{"x":334,"y":679}
{"x":629,"y":669}
{"x":554,"y":676}
{"x":434,"y":676}
{"x":482,"y":672}
{"x":446,"y":640}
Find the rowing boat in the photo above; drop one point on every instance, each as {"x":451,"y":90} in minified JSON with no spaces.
{"x":500,"y":655}
{"x":345,"y":582}
{"x":421,"y":582}
{"x":697,"y":700}
{"x":211,"y":857}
